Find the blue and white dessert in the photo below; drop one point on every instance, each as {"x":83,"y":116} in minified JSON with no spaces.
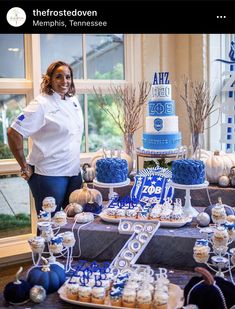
{"x":111,"y":170}
{"x":188,"y":172}
{"x":161,"y":125}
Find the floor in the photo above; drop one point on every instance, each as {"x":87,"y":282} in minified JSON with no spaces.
{"x":14,"y":196}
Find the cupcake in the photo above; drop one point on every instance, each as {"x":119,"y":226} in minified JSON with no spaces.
{"x":129,"y":298}
{"x":84,"y":293}
{"x":161,"y":300}
{"x":166,"y":214}
{"x":155,"y":212}
{"x":56,"y":245}
{"x":37,"y":244}
{"x":144,"y":299}
{"x":161,"y":287}
{"x":60,"y":218}
{"x":231,"y":230}
{"x":231,"y":218}
{"x":131,"y":212}
{"x":116,"y":297}
{"x":201,"y":251}
{"x":220,"y":237}
{"x":218,"y":214}
{"x":111,"y":211}
{"x":49,"y":204}
{"x":147,"y":286}
{"x":68,"y":239}
{"x":143,"y":215}
{"x":72,"y":290}
{"x":121,"y":213}
{"x":98,"y":295}
{"x":132,"y":285}
{"x":44,"y":216}
{"x":48,"y":233}
{"x":177,"y":212}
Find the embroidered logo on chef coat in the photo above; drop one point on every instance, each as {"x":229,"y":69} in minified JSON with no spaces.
{"x":21,"y":117}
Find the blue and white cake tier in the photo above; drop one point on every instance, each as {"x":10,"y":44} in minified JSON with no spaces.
{"x":161,"y":108}
{"x":188,"y":172}
{"x":111,"y":170}
{"x":161,"y":124}
{"x":161,"y":92}
{"x":163,"y":141}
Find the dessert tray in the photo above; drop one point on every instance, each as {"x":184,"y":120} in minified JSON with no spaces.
{"x":176,"y":223}
{"x":175,"y":299}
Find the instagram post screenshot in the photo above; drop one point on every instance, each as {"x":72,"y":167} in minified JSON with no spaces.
{"x":117,"y":154}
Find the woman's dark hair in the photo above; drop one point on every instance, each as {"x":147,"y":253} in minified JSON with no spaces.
{"x":46,"y":80}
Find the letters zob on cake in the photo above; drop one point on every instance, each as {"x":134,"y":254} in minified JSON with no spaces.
{"x":161,"y":124}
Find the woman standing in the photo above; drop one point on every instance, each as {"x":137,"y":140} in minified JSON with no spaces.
{"x":54,"y":122}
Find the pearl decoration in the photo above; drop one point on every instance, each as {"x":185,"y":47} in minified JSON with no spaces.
{"x":224,"y":181}
{"x":37,"y":294}
{"x":203,"y":219}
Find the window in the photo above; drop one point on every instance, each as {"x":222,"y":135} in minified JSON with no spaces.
{"x":93,"y":57}
{"x":12,"y":51}
{"x":10,"y":106}
{"x":96,"y":59}
{"x":15,"y":91}
{"x":219,"y":48}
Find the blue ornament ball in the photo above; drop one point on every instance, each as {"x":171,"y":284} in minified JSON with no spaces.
{"x":203,"y":219}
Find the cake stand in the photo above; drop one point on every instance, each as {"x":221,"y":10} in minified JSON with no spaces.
{"x":188,"y":208}
{"x":111,"y":186}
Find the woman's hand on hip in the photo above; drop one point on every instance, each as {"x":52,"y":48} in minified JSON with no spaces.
{"x":26,"y":172}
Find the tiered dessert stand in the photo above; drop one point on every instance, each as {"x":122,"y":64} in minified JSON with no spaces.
{"x":189,"y":210}
{"x":111,"y":186}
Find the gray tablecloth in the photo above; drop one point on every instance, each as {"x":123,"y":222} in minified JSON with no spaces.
{"x":172,"y":247}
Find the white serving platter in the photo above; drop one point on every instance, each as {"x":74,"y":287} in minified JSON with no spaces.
{"x":177,"y":223}
{"x":175,"y":299}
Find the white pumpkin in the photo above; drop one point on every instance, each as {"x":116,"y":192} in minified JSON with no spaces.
{"x":99,"y":154}
{"x":85,"y":195}
{"x":218,"y":164}
{"x":72,"y":209}
{"x":88,"y":172}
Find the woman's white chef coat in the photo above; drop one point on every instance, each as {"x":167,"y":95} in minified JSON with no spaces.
{"x":55,"y":127}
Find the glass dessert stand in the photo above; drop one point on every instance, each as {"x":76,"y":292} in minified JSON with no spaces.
{"x":53,"y":244}
{"x":111,"y":186}
{"x":213,"y":250}
{"x":189,"y":210}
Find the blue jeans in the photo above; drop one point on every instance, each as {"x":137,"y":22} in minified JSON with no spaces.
{"x":59,"y":187}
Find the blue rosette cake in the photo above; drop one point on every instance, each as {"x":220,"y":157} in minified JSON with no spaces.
{"x":111,"y":170}
{"x":188,"y":172}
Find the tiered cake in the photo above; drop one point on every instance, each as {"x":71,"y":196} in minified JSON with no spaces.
{"x":161,"y":129}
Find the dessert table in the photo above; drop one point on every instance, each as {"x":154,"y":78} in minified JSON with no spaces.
{"x":52,"y":301}
{"x":171,"y":247}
